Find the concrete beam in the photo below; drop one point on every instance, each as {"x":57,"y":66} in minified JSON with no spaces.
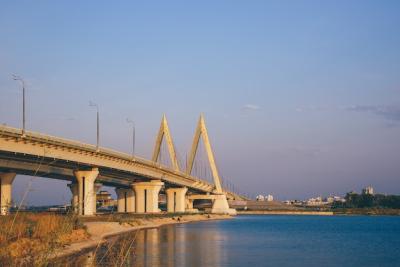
{"x":199,"y":196}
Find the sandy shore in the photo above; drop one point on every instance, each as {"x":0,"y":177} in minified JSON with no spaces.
{"x":292,"y":212}
{"x":100,"y":230}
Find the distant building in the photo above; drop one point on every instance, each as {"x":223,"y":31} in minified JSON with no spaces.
{"x":339,"y":199}
{"x":293,"y":202}
{"x":104,"y":199}
{"x":315,"y":201}
{"x":269,"y":198}
{"x":265,"y":198}
{"x":61,"y":208}
{"x":260,"y":198}
{"x":369,"y":190}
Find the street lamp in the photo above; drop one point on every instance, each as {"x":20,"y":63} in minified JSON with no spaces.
{"x":133,"y":135}
{"x":92,"y":104}
{"x":18,"y":78}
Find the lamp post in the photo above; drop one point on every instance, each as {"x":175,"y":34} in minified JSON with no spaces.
{"x":18,"y":78}
{"x":133,"y":135}
{"x":92,"y":104}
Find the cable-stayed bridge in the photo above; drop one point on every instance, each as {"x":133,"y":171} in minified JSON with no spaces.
{"x":138,"y":181}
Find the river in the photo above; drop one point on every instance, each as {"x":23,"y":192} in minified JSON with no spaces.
{"x":262,"y":240}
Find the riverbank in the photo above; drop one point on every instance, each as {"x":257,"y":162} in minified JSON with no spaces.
{"x":367,"y":211}
{"x":99,"y":231}
{"x":285,"y":212}
{"x":28,"y":239}
{"x":342,"y":211}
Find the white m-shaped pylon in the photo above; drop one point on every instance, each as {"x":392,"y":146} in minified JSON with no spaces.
{"x":164,"y":132}
{"x":201,"y":131}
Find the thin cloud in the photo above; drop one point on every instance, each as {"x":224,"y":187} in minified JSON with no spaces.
{"x":391,"y":113}
{"x":249,"y":107}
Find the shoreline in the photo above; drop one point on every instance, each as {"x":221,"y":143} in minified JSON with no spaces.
{"x":348,"y":212}
{"x":292,"y":212}
{"x":100,"y":231}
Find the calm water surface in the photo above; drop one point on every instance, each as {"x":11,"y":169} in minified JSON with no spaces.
{"x":262,"y":241}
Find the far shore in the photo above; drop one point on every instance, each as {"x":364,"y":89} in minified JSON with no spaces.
{"x":291,"y":212}
{"x":348,"y":211}
{"x":99,"y":231}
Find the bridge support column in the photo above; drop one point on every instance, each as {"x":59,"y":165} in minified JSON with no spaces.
{"x":74,"y":187}
{"x":189,"y":206}
{"x":86,"y":190}
{"x":6,"y":180}
{"x":147,"y":196}
{"x":220,"y":205}
{"x":126,"y":199}
{"x":176,"y":199}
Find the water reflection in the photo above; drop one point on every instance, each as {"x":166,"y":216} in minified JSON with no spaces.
{"x":257,"y":241}
{"x":172,"y":245}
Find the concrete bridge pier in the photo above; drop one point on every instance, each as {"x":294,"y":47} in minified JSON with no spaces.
{"x":126,"y":199}
{"x":147,"y":196}
{"x":189,"y":206}
{"x":86,"y":193}
{"x":221,"y":206}
{"x":74,"y":187}
{"x":220,"y":203}
{"x":6,"y":180}
{"x":176,"y":199}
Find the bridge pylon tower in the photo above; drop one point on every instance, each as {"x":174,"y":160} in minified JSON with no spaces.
{"x":201,"y":132}
{"x":220,"y":202}
{"x":164,"y":132}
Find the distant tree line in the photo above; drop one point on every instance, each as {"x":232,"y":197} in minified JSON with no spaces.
{"x":354,"y":200}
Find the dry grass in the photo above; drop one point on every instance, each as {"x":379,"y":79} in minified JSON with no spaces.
{"x":30,"y":239}
{"x":116,"y":252}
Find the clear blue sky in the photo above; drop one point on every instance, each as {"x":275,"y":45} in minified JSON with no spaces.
{"x":301,"y":98}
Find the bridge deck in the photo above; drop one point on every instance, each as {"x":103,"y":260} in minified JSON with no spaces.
{"x":48,"y":156}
